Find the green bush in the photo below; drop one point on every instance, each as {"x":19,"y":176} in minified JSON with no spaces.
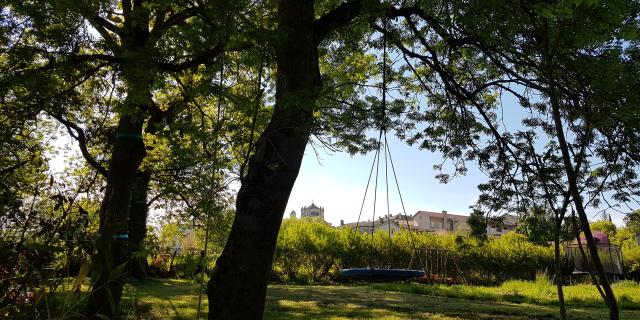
{"x":306,"y":250}
{"x":310,"y":251}
{"x":626,"y":239}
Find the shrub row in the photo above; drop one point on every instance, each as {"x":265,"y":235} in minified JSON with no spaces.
{"x":309,"y":250}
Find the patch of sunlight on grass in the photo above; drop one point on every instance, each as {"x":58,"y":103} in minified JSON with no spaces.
{"x":532,"y":292}
{"x":298,"y":305}
{"x":177,"y":299}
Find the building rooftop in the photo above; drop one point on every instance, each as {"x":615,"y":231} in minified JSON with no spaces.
{"x":440,"y":214}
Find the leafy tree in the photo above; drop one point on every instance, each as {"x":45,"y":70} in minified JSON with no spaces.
{"x":607,"y":227}
{"x":69,"y":58}
{"x":478,"y":224}
{"x":537,"y":225}
{"x":247,"y":257}
{"x":632,"y":221}
{"x":525,"y":173}
{"x":137,"y":83}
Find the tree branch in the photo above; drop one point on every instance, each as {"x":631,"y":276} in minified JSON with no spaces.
{"x":164,"y":25}
{"x":336,"y":18}
{"x":204,"y":57}
{"x":103,"y":27}
{"x":80,"y":136}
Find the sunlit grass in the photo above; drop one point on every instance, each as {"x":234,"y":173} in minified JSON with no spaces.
{"x":162,"y":299}
{"x":178,"y":299}
{"x":538,"y":292}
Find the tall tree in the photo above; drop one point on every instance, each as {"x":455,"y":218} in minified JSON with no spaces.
{"x":534,"y":47}
{"x":139,"y":42}
{"x":238,"y":285}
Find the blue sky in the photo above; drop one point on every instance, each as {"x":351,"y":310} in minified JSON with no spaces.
{"x":337,"y":181}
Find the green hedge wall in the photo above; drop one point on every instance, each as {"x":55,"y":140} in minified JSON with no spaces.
{"x":309,"y":250}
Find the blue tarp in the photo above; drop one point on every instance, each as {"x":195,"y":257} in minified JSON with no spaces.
{"x":380,"y":275}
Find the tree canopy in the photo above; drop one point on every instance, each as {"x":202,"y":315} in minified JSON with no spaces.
{"x":171,"y":102}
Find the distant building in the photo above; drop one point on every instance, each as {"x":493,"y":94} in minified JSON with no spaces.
{"x":312,"y":211}
{"x":441,"y":222}
{"x":508,"y":223}
{"x":428,"y":221}
{"x":367,"y":226}
{"x":386,"y":224}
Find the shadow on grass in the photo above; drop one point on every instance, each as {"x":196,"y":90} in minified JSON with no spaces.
{"x":289,"y":302}
{"x":178,"y":299}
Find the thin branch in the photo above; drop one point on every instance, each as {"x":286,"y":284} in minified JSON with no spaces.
{"x":78,"y":134}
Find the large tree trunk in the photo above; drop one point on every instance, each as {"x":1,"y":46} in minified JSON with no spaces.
{"x":238,"y":284}
{"x":139,"y":210}
{"x":112,"y":243}
{"x":109,"y":263}
{"x":139,"y":267}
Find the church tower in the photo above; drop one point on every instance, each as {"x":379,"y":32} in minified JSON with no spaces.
{"x":312,"y":211}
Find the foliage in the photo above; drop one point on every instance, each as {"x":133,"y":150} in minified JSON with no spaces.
{"x":309,"y":250}
{"x":175,"y":250}
{"x":158,"y":68}
{"x":632,"y":221}
{"x":538,"y":225}
{"x":626,"y":238}
{"x":45,"y":223}
{"x":607,"y":227}
{"x":478,"y":224}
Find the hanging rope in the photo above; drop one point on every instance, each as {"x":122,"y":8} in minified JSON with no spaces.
{"x":404,"y":211}
{"x":383,"y":143}
{"x":375,"y":194}
{"x":364,"y":198}
{"x":383,"y":130}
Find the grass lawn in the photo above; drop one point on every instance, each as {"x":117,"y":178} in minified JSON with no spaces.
{"x":530,"y":292}
{"x":178,"y":299}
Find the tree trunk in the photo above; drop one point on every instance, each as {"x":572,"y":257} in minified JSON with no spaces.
{"x":139,"y":267}
{"x":109,"y":263}
{"x":238,"y":284}
{"x":558,"y":277}
{"x":112,"y":242}
{"x":610,"y":298}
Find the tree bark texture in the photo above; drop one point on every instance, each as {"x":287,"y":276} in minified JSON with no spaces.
{"x":109,"y":263}
{"x":112,"y":242}
{"x":238,"y":284}
{"x":138,"y":211}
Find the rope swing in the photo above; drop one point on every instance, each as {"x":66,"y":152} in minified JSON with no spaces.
{"x":370,"y":273}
